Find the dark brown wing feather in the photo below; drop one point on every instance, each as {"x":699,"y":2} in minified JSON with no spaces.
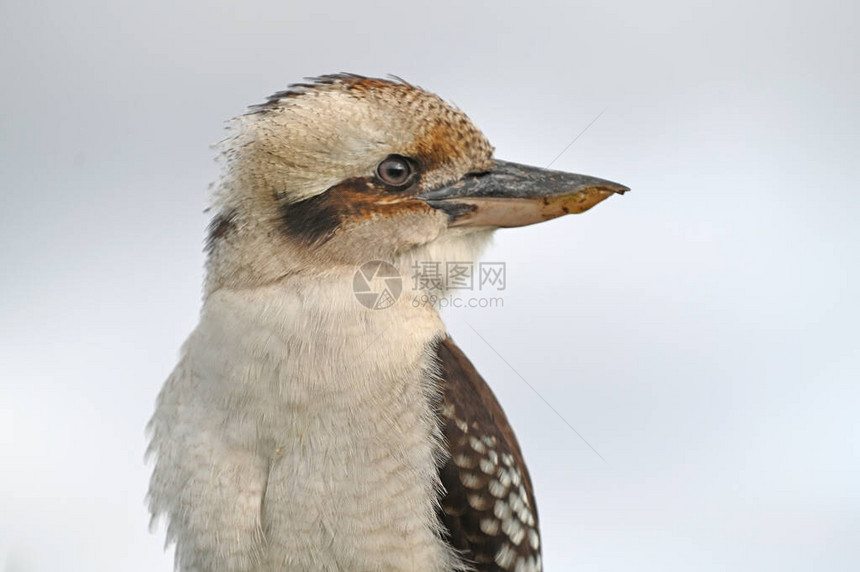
{"x":488,"y":507}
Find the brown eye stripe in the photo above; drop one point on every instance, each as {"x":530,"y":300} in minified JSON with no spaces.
{"x":315,"y":220}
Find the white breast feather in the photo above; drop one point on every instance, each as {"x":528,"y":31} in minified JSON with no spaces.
{"x":296,"y":433}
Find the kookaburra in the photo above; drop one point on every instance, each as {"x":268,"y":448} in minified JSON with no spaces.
{"x":301,"y":429}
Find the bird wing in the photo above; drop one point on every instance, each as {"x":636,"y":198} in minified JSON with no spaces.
{"x":488,"y":507}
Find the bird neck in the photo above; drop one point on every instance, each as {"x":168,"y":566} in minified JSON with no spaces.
{"x":317,"y":326}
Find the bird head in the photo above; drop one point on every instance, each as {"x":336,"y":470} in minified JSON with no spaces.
{"x":346,"y":169}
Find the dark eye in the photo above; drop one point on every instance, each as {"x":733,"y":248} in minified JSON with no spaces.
{"x":395,"y":170}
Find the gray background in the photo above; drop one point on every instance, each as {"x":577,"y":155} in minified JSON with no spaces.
{"x":700,"y":332}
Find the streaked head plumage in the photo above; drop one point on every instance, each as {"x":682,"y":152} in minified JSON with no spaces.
{"x":345,"y":169}
{"x":301,"y":173}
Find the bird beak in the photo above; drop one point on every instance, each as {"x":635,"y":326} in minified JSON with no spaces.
{"x":518,"y":195}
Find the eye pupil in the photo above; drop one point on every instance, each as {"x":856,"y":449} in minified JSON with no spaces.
{"x":394,"y":170}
